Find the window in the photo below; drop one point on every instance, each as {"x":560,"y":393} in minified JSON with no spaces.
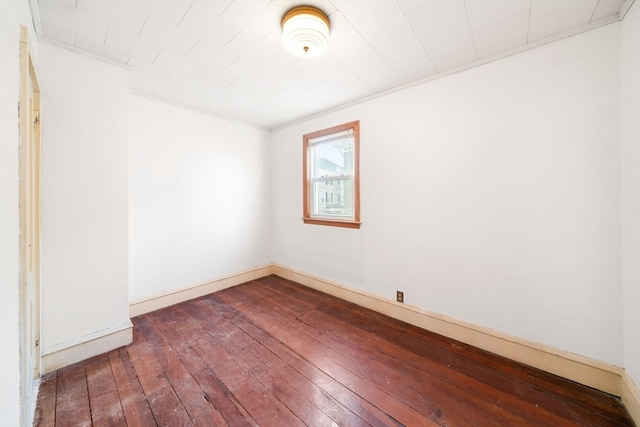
{"x":331,"y":176}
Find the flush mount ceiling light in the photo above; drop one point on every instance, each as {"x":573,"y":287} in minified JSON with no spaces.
{"x":305,"y":31}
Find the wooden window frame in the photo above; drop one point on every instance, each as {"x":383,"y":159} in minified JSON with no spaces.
{"x":307,"y":216}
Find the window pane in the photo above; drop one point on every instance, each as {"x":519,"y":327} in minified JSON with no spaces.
{"x":334,"y":197}
{"x":332,"y":158}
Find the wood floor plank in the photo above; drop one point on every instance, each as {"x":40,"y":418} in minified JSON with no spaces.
{"x":167,"y":408}
{"x":571,"y":417}
{"x":134,"y":405}
{"x":72,"y":398}
{"x":392,"y":365}
{"x":259,"y":402}
{"x":331,"y":386}
{"x":149,"y":371}
{"x":165,"y":405}
{"x":106,"y":409}
{"x":274,"y":353}
{"x":311,"y":350}
{"x":413,"y":338}
{"x":428,"y":397}
{"x":199,"y":408}
{"x":45,"y":415}
{"x":348,"y":339}
{"x":304,"y":398}
{"x":543,"y":391}
{"x":214,"y":389}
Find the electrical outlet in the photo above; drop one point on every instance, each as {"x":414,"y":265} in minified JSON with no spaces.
{"x":399,"y":296}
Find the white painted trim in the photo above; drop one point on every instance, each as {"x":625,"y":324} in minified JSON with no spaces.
{"x":147,"y":305}
{"x":86,"y":53}
{"x":92,"y":345}
{"x":35,"y":17}
{"x":622,"y":13}
{"x":631,"y":397}
{"x":198,"y":110}
{"x":583,"y":370}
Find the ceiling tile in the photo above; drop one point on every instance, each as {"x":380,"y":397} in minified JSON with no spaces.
{"x":120,"y":13}
{"x":455,"y":58}
{"x":63,"y":15}
{"x":246,"y":74}
{"x":545,"y":8}
{"x":131,"y":43}
{"x":435,"y":16}
{"x":169,"y":11}
{"x":167,"y":35}
{"x":188,"y":98}
{"x":248,"y":51}
{"x":145,"y":70}
{"x":255,"y":18}
{"x":451,"y":39}
{"x":606,"y":8}
{"x":101,"y":49}
{"x":502,"y":36}
{"x":61,"y":34}
{"x":204,"y":23}
{"x":148,"y":84}
{"x":399,"y":47}
{"x":355,"y":89}
{"x":553,"y":17}
{"x":303,"y":82}
{"x":414,"y":68}
{"x":165,"y":91}
{"x":378,"y":75}
{"x":158,"y":30}
{"x":215,"y":6}
{"x":208,"y":53}
{"x":272,"y":86}
{"x":353,"y":50}
{"x":213,"y":77}
{"x":384,"y":20}
{"x":409,"y":5}
{"x":185,"y":82}
{"x":487,"y":12}
{"x":176,"y":62}
{"x":337,"y":75}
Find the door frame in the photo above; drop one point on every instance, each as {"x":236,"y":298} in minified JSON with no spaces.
{"x":30,"y":228}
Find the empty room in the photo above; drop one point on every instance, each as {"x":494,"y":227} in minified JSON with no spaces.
{"x":322,"y":213}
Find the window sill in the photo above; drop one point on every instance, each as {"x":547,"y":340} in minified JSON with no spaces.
{"x":332,"y":222}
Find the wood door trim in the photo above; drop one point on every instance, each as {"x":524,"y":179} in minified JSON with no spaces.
{"x":30,"y":224}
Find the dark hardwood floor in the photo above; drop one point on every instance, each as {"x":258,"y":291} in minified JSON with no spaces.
{"x":275,"y":353}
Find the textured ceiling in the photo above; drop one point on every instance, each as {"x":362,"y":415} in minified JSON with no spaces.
{"x":226,"y":56}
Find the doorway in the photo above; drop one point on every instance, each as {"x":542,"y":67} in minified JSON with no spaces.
{"x":29,"y":113}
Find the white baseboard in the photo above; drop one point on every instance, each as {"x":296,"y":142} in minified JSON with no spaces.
{"x":631,"y":397}
{"x":583,"y":370}
{"x":146,"y":305}
{"x":98,"y":343}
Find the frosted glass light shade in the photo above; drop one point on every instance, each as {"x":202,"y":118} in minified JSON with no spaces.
{"x":305,"y":31}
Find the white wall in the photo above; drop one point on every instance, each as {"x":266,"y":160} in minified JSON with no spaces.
{"x":199,"y":198}
{"x":12,"y":15}
{"x":491,"y":196}
{"x":84,"y":198}
{"x":630,"y":137}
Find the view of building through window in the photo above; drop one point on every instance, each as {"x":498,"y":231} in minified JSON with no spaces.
{"x":332,"y":171}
